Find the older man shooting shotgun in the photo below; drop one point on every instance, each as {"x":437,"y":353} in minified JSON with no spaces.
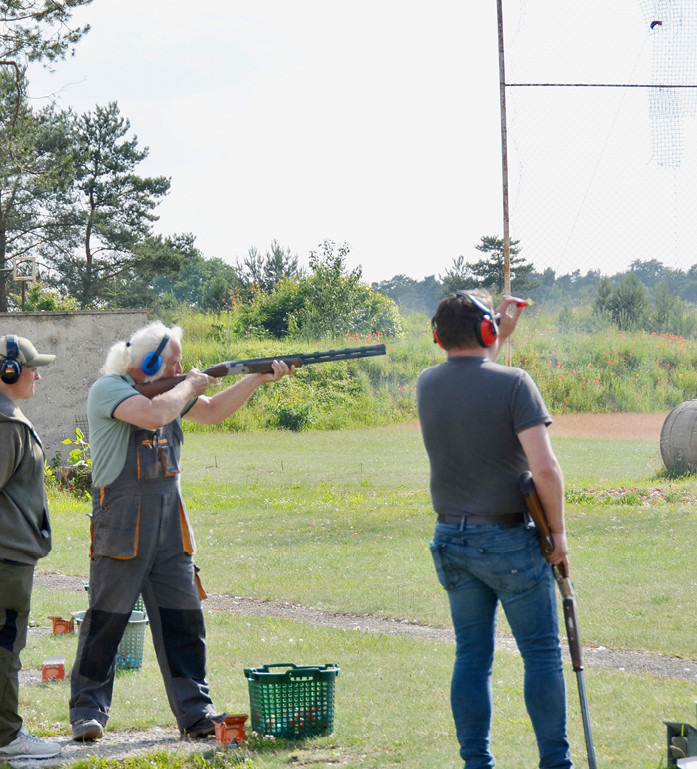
{"x":566,"y":588}
{"x":141,"y":539}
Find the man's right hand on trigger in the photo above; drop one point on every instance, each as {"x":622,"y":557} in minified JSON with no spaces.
{"x":199,"y":381}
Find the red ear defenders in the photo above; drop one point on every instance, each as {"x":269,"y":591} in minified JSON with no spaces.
{"x":436,"y":338}
{"x":152,"y":362}
{"x":485,"y":329}
{"x":11,"y":368}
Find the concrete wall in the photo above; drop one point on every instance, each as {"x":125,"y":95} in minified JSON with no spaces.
{"x":80,"y":341}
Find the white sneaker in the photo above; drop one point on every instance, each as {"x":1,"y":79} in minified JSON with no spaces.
{"x":25,"y":745}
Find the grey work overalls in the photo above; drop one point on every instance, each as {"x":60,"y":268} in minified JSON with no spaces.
{"x":142,"y":544}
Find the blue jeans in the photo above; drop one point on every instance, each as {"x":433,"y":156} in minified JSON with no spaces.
{"x":480,"y":565}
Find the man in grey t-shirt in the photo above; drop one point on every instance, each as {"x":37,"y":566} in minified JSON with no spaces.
{"x":483,"y":425}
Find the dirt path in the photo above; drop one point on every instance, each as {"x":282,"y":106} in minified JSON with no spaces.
{"x":619,"y":426}
{"x":127,"y":743}
{"x":600,"y":657}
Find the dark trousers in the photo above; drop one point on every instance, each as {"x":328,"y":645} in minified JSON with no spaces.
{"x":15,"y":598}
{"x":165,"y":575}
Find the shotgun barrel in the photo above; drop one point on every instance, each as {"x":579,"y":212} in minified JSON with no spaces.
{"x":568,"y":599}
{"x":263,"y":366}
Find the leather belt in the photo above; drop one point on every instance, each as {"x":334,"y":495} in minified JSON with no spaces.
{"x":505,"y":520}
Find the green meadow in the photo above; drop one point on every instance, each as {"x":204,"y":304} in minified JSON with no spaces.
{"x":340,"y":521}
{"x":588,"y":369}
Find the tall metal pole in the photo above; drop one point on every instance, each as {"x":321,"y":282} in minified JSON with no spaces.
{"x":504,"y":170}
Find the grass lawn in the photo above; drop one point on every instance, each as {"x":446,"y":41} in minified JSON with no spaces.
{"x":341,"y":521}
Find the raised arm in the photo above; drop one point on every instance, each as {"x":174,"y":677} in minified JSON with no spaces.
{"x":213,"y":410}
{"x":164,"y":408}
{"x":506,"y":324}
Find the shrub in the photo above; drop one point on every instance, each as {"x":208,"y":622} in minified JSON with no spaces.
{"x":78,"y":479}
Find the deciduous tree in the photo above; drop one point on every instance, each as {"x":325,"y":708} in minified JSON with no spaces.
{"x":417,"y":295}
{"x":337,"y":302}
{"x":327,"y":303}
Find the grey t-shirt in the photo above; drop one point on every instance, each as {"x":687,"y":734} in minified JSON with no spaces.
{"x":471,"y":411}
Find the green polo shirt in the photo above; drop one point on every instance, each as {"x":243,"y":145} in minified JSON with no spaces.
{"x":109,"y":436}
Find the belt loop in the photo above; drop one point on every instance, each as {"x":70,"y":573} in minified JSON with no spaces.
{"x":463,"y":520}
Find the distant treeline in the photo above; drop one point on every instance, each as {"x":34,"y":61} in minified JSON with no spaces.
{"x":647,"y":295}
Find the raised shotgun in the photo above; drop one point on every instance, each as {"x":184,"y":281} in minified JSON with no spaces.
{"x":263,"y":366}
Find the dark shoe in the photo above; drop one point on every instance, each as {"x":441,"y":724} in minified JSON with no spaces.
{"x":87,"y":730}
{"x":203,"y":728}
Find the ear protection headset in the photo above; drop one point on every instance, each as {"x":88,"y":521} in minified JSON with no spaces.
{"x":486,"y":331}
{"x":11,"y":367}
{"x":152,"y":362}
{"x":436,"y":338}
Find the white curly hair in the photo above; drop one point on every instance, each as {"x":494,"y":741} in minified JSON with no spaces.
{"x":125,"y":355}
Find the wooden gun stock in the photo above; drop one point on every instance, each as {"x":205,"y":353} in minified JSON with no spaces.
{"x":566,"y":588}
{"x":159,"y":386}
{"x":537,"y":513}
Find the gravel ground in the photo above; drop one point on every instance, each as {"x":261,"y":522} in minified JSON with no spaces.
{"x":117,"y":746}
{"x":127,"y":743}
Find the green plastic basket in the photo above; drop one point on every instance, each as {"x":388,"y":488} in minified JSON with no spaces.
{"x":296,"y":703}
{"x":129,"y":655}
{"x":138,"y":606}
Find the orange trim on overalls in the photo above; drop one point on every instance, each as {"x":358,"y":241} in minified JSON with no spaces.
{"x":164,"y":463}
{"x":188,"y":545}
{"x":187,"y":534}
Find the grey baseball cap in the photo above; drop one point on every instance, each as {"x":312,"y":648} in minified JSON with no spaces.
{"x":28,"y":356}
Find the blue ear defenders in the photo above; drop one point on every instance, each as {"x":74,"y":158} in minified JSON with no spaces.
{"x":486,"y":329}
{"x":152,"y":362}
{"x":11,"y":367}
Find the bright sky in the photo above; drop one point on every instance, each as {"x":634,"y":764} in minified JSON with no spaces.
{"x":371,"y":122}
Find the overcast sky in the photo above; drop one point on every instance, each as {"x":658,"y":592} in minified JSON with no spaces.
{"x":371,"y":122}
